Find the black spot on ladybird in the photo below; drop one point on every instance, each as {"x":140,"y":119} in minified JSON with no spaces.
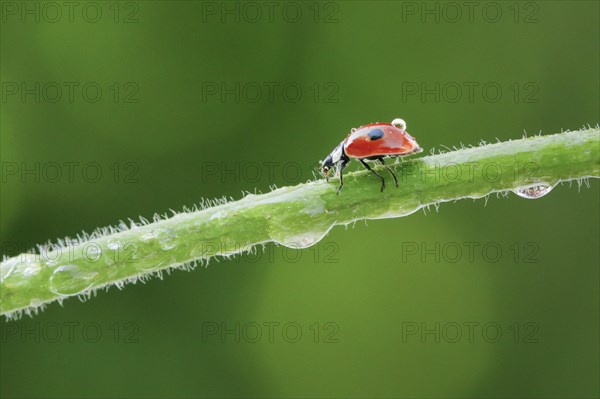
{"x":375,"y":134}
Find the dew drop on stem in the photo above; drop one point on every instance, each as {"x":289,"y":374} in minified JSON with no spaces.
{"x":533,"y":191}
{"x":71,"y":280}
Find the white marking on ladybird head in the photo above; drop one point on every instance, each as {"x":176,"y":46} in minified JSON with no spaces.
{"x":399,"y":123}
{"x":336,"y":154}
{"x":332,"y":160}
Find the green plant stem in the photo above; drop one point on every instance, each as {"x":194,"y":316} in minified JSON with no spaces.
{"x":296,"y":216}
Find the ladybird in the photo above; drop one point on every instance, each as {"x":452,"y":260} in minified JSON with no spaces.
{"x":372,"y":142}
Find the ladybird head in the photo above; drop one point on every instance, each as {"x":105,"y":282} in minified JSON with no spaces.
{"x":331,"y":160}
{"x":327,"y":166}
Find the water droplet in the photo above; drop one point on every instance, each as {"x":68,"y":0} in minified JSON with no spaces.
{"x":167,"y":239}
{"x":25,"y":264}
{"x":93,"y":251}
{"x":533,"y":191}
{"x":71,"y":280}
{"x":149,"y":236}
{"x":153,"y":261}
{"x":302,"y":240}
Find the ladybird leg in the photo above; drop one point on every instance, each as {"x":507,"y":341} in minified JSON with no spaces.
{"x":390,"y":170}
{"x":366,"y":165}
{"x":342,"y":166}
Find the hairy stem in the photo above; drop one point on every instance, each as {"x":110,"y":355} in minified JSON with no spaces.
{"x":296,"y":216}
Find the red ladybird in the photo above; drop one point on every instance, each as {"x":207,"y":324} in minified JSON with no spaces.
{"x":372,"y":142}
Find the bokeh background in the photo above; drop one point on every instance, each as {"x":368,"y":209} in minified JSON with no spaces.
{"x":165,"y":133}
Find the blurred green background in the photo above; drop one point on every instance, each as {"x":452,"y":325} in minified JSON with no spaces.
{"x":164,"y":133}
